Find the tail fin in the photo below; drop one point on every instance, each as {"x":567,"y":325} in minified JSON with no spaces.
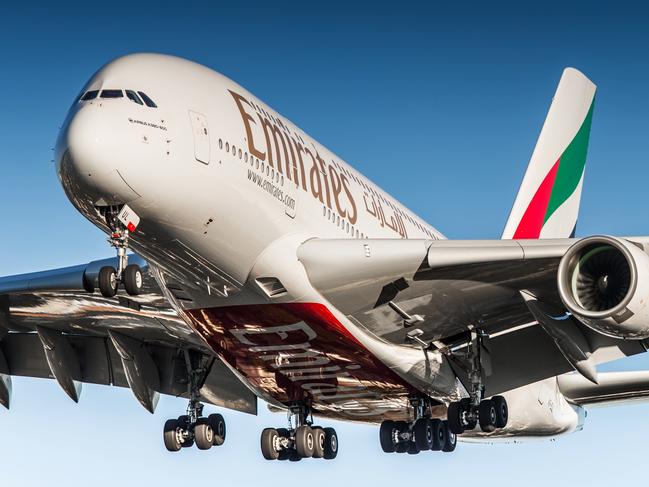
{"x":547,"y":204}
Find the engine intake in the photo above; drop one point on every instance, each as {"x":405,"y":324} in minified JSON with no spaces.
{"x":604,"y":282}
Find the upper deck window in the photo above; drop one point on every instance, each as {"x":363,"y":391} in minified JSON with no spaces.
{"x":147,"y":101}
{"x":90,"y":95}
{"x":131,"y":95}
{"x":111,"y":94}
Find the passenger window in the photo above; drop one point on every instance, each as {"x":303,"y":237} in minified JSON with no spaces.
{"x":131,"y":95}
{"x":90,"y":95}
{"x":147,"y":101}
{"x":111,"y":94}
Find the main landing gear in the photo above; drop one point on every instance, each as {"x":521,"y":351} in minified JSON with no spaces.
{"x":303,"y":441}
{"x":192,"y":428}
{"x":467,"y":413}
{"x":130,"y":275}
{"x":422,"y":434}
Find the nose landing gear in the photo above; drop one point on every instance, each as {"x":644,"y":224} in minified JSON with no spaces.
{"x":130,"y":275}
{"x":303,"y":441}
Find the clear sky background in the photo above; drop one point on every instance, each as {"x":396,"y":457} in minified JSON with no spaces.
{"x":438,"y":102}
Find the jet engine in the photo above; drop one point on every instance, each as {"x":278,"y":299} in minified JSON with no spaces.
{"x":604,"y":282}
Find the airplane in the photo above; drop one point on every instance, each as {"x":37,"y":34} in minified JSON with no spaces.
{"x":253,"y":263}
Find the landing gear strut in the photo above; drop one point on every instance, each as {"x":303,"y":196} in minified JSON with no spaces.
{"x":302,"y":441}
{"x":465,"y":414}
{"x":422,"y":434}
{"x":129,"y":275}
{"x":192,"y":428}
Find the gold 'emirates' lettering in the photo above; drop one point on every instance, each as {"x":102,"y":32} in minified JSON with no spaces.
{"x":286,"y":154}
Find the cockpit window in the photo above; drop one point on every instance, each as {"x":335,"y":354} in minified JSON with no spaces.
{"x":147,"y":101}
{"x":90,"y":95}
{"x":131,"y":95}
{"x":111,"y":94}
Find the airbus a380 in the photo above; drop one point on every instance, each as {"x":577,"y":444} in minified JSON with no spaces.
{"x":264,"y":266}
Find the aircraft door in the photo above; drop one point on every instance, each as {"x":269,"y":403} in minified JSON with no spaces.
{"x":201,"y":137}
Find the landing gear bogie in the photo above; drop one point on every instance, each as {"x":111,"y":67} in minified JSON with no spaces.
{"x":491,"y":414}
{"x":303,"y":441}
{"x":193,"y":428}
{"x":421,"y":435}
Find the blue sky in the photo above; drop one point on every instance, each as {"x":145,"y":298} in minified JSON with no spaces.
{"x":438,"y":102}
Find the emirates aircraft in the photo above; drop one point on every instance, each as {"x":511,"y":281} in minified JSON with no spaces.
{"x":264,"y":266}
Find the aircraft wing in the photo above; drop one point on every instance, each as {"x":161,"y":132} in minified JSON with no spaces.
{"x":434,"y":292}
{"x":52,"y":327}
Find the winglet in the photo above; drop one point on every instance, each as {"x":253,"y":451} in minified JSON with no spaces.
{"x":547,"y":204}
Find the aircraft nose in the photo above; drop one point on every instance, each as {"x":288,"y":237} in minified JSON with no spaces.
{"x":88,"y":152}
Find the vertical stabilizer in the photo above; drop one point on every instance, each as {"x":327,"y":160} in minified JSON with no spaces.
{"x":547,"y":204}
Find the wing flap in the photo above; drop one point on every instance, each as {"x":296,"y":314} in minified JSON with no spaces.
{"x":612,"y":388}
{"x":100,"y":363}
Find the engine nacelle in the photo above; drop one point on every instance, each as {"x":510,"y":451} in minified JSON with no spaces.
{"x":604,"y":282}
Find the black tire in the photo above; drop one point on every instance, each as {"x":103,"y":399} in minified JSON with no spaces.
{"x":133,"y":279}
{"x":203,"y":434}
{"x":108,"y":281}
{"x":423,"y":434}
{"x":451,"y":439}
{"x":218,"y":427}
{"x":171,"y":435}
{"x":293,"y":456}
{"x":439,"y":434}
{"x":502,"y":411}
{"x":269,"y":438}
{"x":454,"y":418}
{"x":331,"y":444}
{"x":319,"y":438}
{"x":401,"y":446}
{"x":386,"y":436}
{"x":487,"y":416}
{"x":413,"y":449}
{"x":304,"y":441}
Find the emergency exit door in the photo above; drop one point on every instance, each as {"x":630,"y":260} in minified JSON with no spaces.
{"x":201,"y":137}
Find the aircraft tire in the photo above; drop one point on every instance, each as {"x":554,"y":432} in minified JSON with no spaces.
{"x":451,"y":439}
{"x":108,"y":281}
{"x":203,"y":434}
{"x":487,"y":416}
{"x":331,"y":444}
{"x":386,"y":436}
{"x":502,"y":411}
{"x":318,"y":442}
{"x":454,"y":417}
{"x":268,"y":438}
{"x":218,"y":427}
{"x":171,"y":435}
{"x":304,"y":441}
{"x":438,"y":434}
{"x":423,"y":434}
{"x":133,"y":279}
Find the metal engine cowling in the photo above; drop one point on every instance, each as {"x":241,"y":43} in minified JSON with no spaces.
{"x":604,"y":282}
